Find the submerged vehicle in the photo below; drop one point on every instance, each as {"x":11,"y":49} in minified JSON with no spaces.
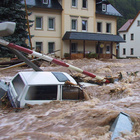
{"x":42,"y":87}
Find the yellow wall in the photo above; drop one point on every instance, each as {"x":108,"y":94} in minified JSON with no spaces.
{"x":80,"y":14}
{"x":107,"y":19}
{"x":45,"y":35}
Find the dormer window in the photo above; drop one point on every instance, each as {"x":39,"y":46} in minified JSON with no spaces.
{"x":45,"y":1}
{"x":104,"y":7}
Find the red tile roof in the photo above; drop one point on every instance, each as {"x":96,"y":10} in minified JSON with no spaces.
{"x":126,"y":25}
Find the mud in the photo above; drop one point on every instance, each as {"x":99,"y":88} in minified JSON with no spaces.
{"x":81,"y":120}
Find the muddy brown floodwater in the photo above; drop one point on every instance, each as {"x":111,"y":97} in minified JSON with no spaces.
{"x":79,"y":120}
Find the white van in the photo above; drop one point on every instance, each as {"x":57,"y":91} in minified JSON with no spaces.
{"x":42,"y":87}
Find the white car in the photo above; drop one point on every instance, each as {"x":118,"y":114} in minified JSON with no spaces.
{"x":42,"y":87}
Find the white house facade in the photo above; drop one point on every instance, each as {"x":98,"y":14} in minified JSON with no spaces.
{"x":130,"y":32}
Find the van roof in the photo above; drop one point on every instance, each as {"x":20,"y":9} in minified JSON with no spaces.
{"x":46,"y":78}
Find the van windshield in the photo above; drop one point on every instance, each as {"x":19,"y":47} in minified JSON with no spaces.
{"x":42,"y":93}
{"x":71,"y":93}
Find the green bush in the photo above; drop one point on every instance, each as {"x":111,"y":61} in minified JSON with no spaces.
{"x":92,"y":55}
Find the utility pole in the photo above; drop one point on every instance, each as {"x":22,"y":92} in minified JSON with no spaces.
{"x":28,"y":24}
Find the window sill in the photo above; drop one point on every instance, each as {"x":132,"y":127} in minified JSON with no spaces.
{"x":73,"y":30}
{"x":84,"y":30}
{"x":99,"y":32}
{"x":74,"y":7}
{"x":84,"y":8}
{"x":51,"y":29}
{"x":39,"y":29}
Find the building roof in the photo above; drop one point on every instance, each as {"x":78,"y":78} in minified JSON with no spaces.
{"x":111,"y":11}
{"x":92,"y":36}
{"x":126,"y":26}
{"x":53,"y":4}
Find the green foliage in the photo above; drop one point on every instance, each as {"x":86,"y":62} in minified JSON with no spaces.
{"x":92,"y":55}
{"x":13,"y":10}
{"x":128,"y":8}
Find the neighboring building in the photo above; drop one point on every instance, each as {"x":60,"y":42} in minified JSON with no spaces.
{"x":130,"y":32}
{"x":74,"y":27}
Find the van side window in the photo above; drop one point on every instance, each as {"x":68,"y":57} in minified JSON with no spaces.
{"x":71,"y":93}
{"x":18,"y":84}
{"x":42,"y":93}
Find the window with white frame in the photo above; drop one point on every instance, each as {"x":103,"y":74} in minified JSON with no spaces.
{"x":124,"y":36}
{"x":45,"y":1}
{"x":131,"y":51}
{"x":38,"y":46}
{"x":74,"y":24}
{"x":84,"y":4}
{"x":51,"y":24}
{"x":138,"y":22}
{"x":38,"y":22}
{"x":73,"y":47}
{"x":84,"y":25}
{"x":132,"y":36}
{"x":107,"y":49}
{"x":99,"y":27}
{"x":104,"y":7}
{"x":124,"y":51}
{"x":51,"y":46}
{"x":74,"y":3}
{"x":108,"y":27}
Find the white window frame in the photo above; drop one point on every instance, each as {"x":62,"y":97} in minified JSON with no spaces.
{"x":76,"y":47}
{"x":74,"y":6}
{"x":45,"y":1}
{"x":100,"y":27}
{"x":131,"y":51}
{"x":53,"y":23}
{"x":41,"y":49}
{"x":72,"y":24}
{"x":86,"y":25}
{"x":86,"y":4}
{"x":132,"y":37}
{"x":124,"y":36}
{"x":108,"y":49}
{"x":124,"y":51}
{"x":104,"y":8}
{"x":49,"y":46}
{"x":41,"y":22}
{"x":138,"y":22}
{"x":107,"y":27}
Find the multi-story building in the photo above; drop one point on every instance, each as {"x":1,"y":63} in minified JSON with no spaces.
{"x":130,"y":32}
{"x":74,"y":27}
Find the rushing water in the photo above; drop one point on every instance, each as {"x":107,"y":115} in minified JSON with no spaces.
{"x":81,"y":120}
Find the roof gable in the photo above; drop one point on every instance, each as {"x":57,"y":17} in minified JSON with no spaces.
{"x":128,"y":24}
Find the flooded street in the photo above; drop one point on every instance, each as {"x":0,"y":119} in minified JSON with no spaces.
{"x":79,"y":120}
